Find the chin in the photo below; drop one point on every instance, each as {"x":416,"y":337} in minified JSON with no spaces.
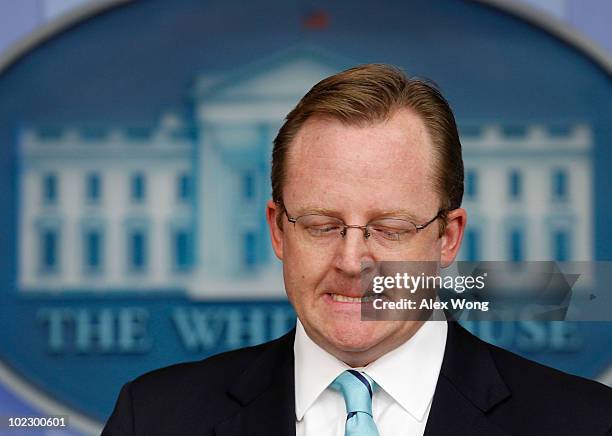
{"x":350,"y":338}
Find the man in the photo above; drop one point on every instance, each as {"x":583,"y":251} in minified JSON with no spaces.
{"x":363,"y":149}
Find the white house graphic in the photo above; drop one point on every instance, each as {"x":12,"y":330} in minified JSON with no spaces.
{"x":180,"y":206}
{"x":528,"y":193}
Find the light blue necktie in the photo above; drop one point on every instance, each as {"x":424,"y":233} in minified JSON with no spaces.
{"x":357,"y":388}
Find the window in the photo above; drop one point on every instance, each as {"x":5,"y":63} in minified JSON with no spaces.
{"x":49,"y":250}
{"x":183,"y":187}
{"x":559,"y":184}
{"x":182,"y":249}
{"x":137,"y":249}
{"x":472,"y":240}
{"x":93,"y":250}
{"x":248,"y":185}
{"x":138,"y":188}
{"x":49,"y":189}
{"x":515,"y":184}
{"x":516,"y":246}
{"x":559,"y":131}
{"x":470,"y":131}
{"x":249,"y":250}
{"x":93,"y":186}
{"x":514,"y":131}
{"x":561,"y":245}
{"x":471,"y":184}
{"x":138,"y":133}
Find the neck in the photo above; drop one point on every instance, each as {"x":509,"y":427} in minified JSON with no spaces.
{"x":361,"y":358}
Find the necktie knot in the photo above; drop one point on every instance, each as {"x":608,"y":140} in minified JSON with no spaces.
{"x":357,"y":389}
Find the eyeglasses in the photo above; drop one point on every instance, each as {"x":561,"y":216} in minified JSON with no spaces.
{"x":389,"y":233}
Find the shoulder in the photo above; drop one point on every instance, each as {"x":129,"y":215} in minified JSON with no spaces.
{"x":216,"y":373}
{"x":213,"y":372}
{"x":547,"y":398}
{"x":176,"y":398}
{"x":540,"y":381}
{"x":519,"y":394}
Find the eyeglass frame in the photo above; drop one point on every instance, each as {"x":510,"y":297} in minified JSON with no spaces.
{"x":441,"y":214}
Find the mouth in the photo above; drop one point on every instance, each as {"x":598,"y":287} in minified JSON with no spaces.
{"x":339,"y":298}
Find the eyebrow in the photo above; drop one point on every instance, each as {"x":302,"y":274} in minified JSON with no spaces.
{"x":396,"y":213}
{"x":317,"y":211}
{"x":376,"y":214}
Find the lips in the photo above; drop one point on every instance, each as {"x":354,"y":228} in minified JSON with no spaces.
{"x":346,"y":299}
{"x":349,"y":292}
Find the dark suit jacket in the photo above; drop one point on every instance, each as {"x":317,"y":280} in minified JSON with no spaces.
{"x":482,"y":390}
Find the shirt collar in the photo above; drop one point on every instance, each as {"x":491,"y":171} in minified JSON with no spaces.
{"x":315,"y":369}
{"x":409,"y":373}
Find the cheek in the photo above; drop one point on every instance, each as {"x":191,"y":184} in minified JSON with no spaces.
{"x":426,"y":248}
{"x":303,"y":270}
{"x":431,"y":248}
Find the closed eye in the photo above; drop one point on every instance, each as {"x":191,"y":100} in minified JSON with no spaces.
{"x":323,"y":229}
{"x":390,"y":233}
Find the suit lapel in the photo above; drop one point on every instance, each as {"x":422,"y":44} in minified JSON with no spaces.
{"x":468,"y":390}
{"x":265,"y":392}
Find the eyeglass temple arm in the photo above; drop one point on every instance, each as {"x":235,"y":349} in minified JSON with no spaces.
{"x":440,"y":213}
{"x":291,"y":220}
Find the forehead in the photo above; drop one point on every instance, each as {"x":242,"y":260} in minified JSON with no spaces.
{"x":385,"y":164}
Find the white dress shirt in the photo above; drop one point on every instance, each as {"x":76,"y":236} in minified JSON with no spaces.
{"x":406,"y":378}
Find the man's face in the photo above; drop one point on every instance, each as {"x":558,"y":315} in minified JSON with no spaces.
{"x":358,"y":174}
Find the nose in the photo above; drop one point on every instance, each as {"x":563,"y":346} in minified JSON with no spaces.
{"x":353,"y":255}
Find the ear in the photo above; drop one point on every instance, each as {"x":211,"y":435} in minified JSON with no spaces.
{"x":276,"y":233}
{"x":452,"y":236}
